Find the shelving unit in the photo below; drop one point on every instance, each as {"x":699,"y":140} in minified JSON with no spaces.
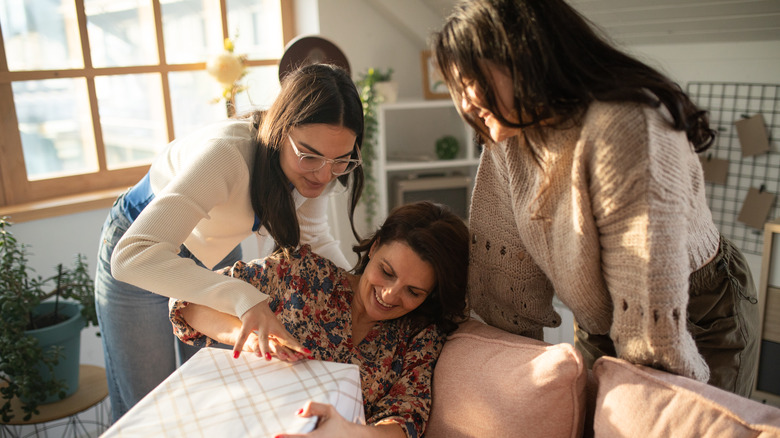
{"x":406,"y":148}
{"x":767,"y":385}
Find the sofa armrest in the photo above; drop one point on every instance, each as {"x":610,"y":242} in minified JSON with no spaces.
{"x":634,"y":400}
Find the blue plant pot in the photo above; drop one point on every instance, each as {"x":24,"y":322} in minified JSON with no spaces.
{"x":66,"y":334}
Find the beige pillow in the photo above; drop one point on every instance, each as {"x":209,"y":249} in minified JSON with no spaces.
{"x":491,"y":383}
{"x":636,"y":401}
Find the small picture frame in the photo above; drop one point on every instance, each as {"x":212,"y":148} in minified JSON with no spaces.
{"x":433,"y":84}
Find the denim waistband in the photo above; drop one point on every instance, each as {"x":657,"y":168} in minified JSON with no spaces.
{"x":138,"y":197}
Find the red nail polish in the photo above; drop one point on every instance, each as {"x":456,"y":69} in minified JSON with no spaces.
{"x":307,"y":351}
{"x":268,"y":356}
{"x":300,"y":411}
{"x":236,"y":353}
{"x":310,"y":357}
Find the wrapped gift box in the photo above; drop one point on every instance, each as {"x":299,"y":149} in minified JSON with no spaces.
{"x":213,"y":394}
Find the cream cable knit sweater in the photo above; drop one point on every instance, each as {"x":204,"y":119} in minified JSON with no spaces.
{"x":614,"y":228}
{"x":201,"y":186}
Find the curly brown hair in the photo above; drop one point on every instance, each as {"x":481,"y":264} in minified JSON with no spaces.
{"x":440,"y":238}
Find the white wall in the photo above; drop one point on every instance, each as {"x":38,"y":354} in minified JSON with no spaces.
{"x":373,"y":36}
{"x":754,"y":62}
{"x":757,"y":61}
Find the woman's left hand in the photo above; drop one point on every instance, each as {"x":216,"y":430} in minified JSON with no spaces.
{"x":329,"y":424}
{"x":332,"y":424}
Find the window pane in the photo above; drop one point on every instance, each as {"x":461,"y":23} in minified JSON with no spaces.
{"x":56,"y":127}
{"x":193,"y":95}
{"x":262,"y":87}
{"x":40,"y":34}
{"x":132,"y":118}
{"x":192,"y":29}
{"x":121,"y":33}
{"x":256,"y":26}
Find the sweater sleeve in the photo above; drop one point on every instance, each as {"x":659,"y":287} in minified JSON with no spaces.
{"x":640,"y":195}
{"x":147,"y":255}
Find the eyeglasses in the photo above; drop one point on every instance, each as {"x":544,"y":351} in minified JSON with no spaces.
{"x":313,"y":163}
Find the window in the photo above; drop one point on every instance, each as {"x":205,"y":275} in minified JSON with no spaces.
{"x":92,"y":90}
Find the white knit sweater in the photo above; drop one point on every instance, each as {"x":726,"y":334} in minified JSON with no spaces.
{"x":201,"y":186}
{"x":614,"y":227}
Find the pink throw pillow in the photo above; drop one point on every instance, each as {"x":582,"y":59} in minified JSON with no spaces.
{"x":634,"y":400}
{"x":491,"y":383}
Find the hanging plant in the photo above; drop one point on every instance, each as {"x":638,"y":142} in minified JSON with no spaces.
{"x":366,"y":87}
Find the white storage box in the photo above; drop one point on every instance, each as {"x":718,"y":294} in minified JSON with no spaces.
{"x":213,"y":394}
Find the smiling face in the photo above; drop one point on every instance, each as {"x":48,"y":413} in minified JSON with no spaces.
{"x":395,"y":282}
{"x":328,"y":141}
{"x":473,"y":102}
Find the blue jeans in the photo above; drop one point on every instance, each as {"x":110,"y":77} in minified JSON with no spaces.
{"x":138,"y":341}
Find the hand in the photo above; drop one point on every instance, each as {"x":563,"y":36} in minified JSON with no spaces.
{"x":329,"y":424}
{"x":262,"y":321}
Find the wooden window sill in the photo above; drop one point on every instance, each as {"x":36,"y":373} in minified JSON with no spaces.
{"x":61,"y":206}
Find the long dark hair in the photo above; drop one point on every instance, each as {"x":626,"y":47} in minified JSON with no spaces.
{"x":559,"y":65}
{"x":315,"y":93}
{"x":440,"y":238}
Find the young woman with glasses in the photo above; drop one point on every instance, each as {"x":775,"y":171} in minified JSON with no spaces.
{"x":268,"y":173}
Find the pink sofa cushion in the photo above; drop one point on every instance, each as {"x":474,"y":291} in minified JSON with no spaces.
{"x":633,"y":401}
{"x":491,"y":383}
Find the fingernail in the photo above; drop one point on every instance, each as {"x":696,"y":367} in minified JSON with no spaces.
{"x":236,"y":353}
{"x":307,"y":351}
{"x":300,"y":411}
{"x":310,"y":357}
{"x":268,"y":356}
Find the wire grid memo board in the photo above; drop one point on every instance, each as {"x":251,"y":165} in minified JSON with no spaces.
{"x":726,"y":104}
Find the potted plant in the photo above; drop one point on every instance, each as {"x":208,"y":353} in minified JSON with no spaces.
{"x":40,"y":329}
{"x":385,"y":87}
{"x":447,"y":147}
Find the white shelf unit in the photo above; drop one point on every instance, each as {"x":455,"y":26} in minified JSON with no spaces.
{"x":406,"y":146}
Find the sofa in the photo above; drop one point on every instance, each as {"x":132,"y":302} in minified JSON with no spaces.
{"x":491,"y":383}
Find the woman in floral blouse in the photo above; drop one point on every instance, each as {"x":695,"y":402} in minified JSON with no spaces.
{"x":390,"y":316}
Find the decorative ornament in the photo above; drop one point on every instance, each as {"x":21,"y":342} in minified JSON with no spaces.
{"x":228,"y":69}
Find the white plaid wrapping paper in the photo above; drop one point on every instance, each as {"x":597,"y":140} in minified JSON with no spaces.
{"x":213,"y":394}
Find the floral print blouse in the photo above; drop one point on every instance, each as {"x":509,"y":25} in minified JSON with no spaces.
{"x":313,"y":299}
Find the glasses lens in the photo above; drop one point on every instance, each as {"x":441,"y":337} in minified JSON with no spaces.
{"x":309,"y":162}
{"x":340,"y":167}
{"x":344,"y":168}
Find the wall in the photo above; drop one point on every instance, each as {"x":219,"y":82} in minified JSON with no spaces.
{"x":755,"y":62}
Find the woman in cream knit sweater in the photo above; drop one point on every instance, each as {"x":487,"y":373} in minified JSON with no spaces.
{"x":269,"y":175}
{"x":590,"y":189}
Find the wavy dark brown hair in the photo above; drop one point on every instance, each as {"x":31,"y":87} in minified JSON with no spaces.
{"x":558,"y":63}
{"x":315,"y":93}
{"x":439,"y":237}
